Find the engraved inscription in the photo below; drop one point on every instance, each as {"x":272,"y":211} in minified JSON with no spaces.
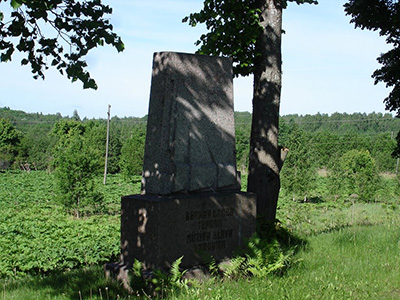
{"x":211,"y":246}
{"x":223,"y":234}
{"x":210,"y":224}
{"x":198,"y":215}
{"x":209,"y":233}
{"x":197,"y":237}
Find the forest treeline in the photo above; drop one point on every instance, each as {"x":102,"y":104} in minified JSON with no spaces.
{"x":323,"y":138}
{"x":355,"y":146}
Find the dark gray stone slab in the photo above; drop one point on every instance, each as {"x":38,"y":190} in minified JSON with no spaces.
{"x":157,"y":230}
{"x":190,"y":142}
{"x":190,"y":206}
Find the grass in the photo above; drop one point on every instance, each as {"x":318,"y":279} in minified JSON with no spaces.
{"x":353,"y":263}
{"x":359,"y":261}
{"x":87,"y":283}
{"x":307,"y":219}
{"x":352,"y":252}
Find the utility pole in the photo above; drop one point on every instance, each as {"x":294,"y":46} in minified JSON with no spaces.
{"x":108,"y":135}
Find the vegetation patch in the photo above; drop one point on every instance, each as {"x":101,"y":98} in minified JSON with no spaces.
{"x":338,"y":212}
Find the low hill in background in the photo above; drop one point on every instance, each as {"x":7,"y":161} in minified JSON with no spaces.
{"x":335,"y":123}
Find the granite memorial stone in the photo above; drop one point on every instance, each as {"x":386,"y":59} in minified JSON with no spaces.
{"x":191,"y":204}
{"x":160,"y":229}
{"x":190,"y":145}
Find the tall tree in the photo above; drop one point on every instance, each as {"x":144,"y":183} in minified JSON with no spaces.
{"x":298,"y":176}
{"x":76,"y":163}
{"x":132,"y":153}
{"x":250,"y":32}
{"x":9,"y":141}
{"x":78,"y":26}
{"x":382,"y":16}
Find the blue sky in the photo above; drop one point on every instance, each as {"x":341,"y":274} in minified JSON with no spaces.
{"x":327,"y":64}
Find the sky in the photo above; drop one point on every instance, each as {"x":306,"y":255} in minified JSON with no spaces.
{"x":327,"y":64}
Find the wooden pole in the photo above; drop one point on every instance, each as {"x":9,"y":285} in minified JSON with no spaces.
{"x":108,"y":135}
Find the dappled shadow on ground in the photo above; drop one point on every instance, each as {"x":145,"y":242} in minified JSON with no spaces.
{"x":88,"y":283}
{"x":270,"y":231}
{"x":272,"y":234}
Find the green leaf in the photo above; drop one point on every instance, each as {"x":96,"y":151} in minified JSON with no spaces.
{"x":15,"y":4}
{"x":24,"y":62}
{"x":80,"y":23}
{"x":120,"y":47}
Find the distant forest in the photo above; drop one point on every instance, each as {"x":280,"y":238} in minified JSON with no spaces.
{"x":317,"y":143}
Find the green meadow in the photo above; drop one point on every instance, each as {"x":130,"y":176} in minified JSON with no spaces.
{"x":343,"y":249}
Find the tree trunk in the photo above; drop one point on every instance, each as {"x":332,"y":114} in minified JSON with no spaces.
{"x":265,"y":156}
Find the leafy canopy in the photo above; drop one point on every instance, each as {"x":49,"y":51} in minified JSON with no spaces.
{"x":132,"y":153}
{"x":9,"y":141}
{"x":78,"y":26}
{"x":76,"y":163}
{"x":298,"y":176}
{"x":9,"y":136}
{"x":234,"y":27}
{"x":382,"y":16}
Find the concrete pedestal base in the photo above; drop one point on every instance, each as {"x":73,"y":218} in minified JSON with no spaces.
{"x":157,"y":230}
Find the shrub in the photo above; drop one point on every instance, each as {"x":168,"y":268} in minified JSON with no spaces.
{"x":132,"y":153}
{"x":298,"y":173}
{"x":9,"y":141}
{"x":355,"y":173}
{"x":75,"y":167}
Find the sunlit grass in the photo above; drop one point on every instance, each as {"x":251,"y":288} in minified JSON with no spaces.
{"x":359,"y":262}
{"x":353,"y":252}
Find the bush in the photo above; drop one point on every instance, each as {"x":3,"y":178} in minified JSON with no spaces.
{"x":75,"y":167}
{"x":298,"y":173}
{"x":132,"y":153}
{"x":9,"y":141}
{"x":355,"y":173}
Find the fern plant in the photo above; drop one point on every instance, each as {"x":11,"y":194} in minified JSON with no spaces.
{"x":159,"y":283}
{"x":213,"y":267}
{"x":137,"y":282}
{"x":234,"y":268}
{"x":266,"y":258}
{"x":175,"y":278}
{"x":261,"y":258}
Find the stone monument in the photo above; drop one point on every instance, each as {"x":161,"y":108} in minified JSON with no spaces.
{"x":191,"y":204}
{"x":190,"y":145}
